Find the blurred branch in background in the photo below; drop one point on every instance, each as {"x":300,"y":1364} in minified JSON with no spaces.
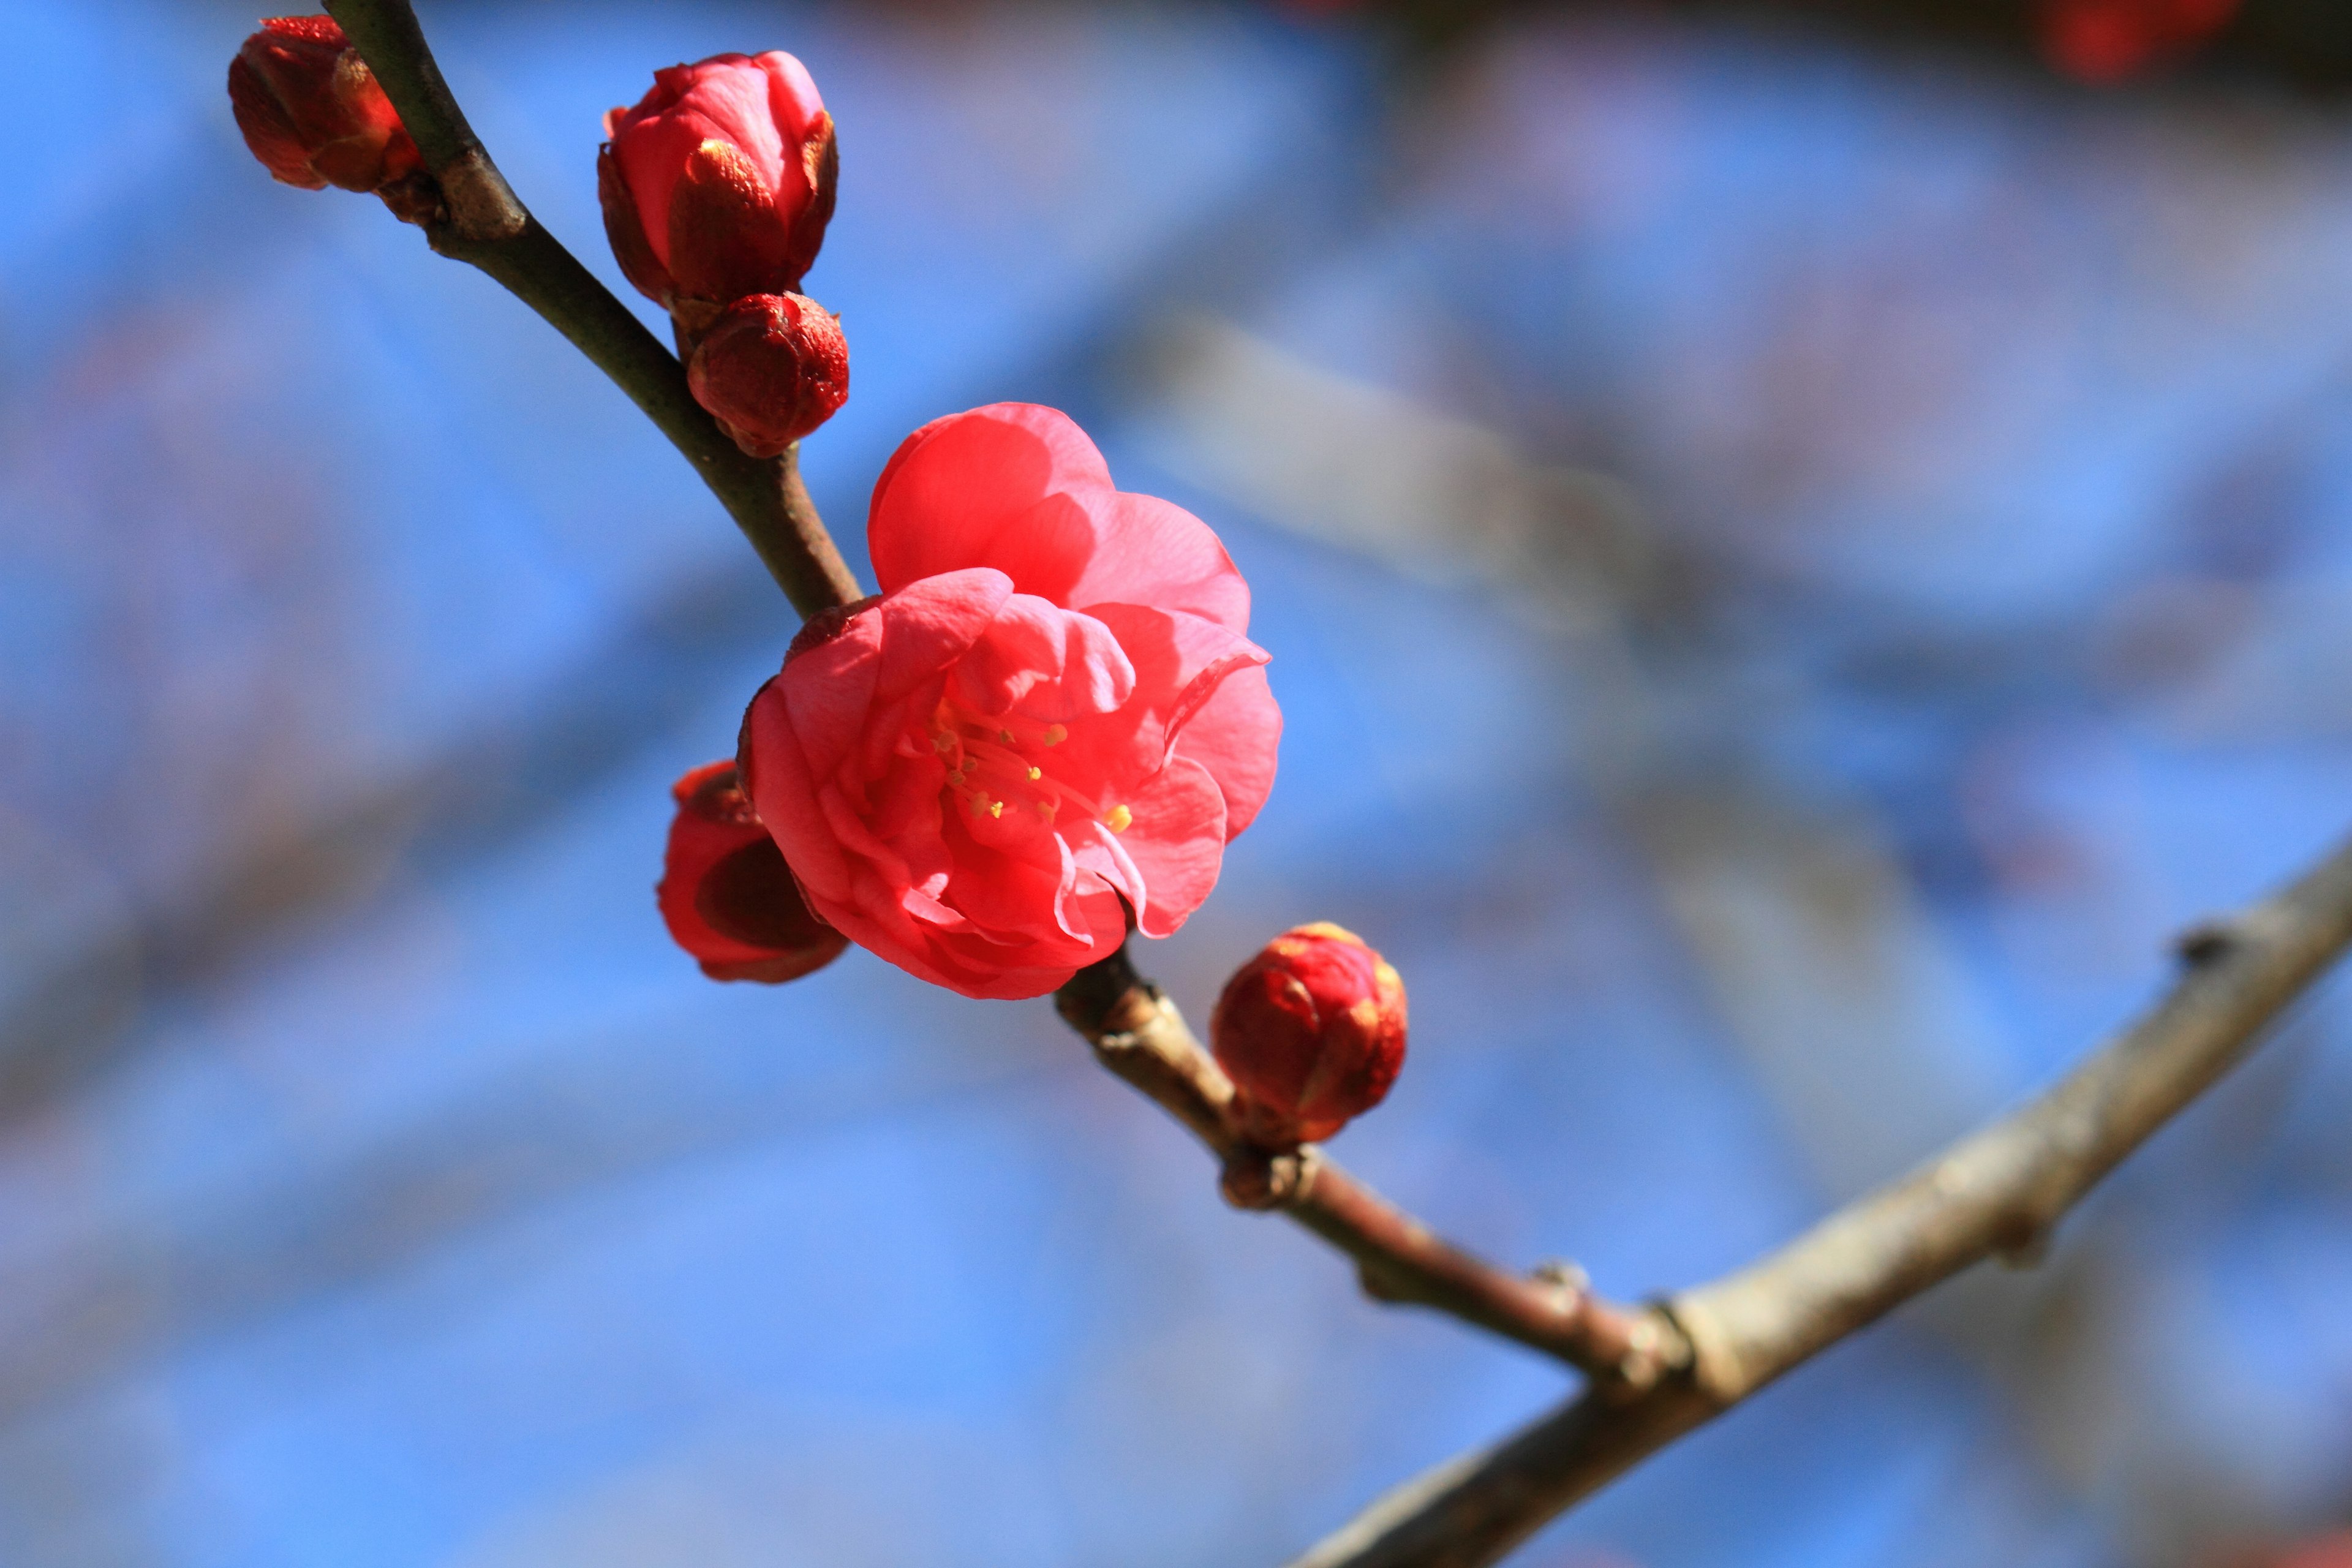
{"x":2305,"y":44}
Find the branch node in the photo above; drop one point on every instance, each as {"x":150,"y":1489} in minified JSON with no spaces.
{"x":2026,"y":1247}
{"x":1260,"y":1179}
{"x":1568,"y":1278}
{"x":482,"y":205}
{"x":1709,"y":1356}
{"x":2207,"y":941}
{"x":1377,"y":1283}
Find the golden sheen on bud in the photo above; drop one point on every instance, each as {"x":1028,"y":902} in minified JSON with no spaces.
{"x":1312,"y":1033}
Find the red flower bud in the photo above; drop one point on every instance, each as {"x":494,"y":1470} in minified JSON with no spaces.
{"x":719,"y":182}
{"x":1311,"y":1031}
{"x":771,"y":369}
{"x":311,"y":110}
{"x":726,"y":893}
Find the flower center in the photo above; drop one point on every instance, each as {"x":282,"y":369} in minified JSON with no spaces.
{"x":1000,"y":764}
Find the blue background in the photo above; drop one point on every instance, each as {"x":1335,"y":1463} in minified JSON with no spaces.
{"x":1791,"y":570}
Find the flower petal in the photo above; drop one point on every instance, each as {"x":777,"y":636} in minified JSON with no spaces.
{"x":1174,"y":844}
{"x":1055,"y":663}
{"x":1236,"y":735}
{"x":1180,"y":662}
{"x":1020,"y":488}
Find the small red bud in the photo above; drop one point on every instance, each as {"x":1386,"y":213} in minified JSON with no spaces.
{"x":313,"y":111}
{"x":726,"y":893}
{"x":771,"y":368}
{"x":1311,"y":1031}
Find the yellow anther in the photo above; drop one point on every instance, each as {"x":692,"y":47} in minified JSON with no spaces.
{"x":1119,"y":818}
{"x":1056,"y":734}
{"x":1036,"y":773}
{"x":996,"y":808}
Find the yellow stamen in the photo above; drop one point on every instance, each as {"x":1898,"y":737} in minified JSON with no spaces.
{"x":1119,"y":819}
{"x":1054,"y":735}
{"x":996,"y":808}
{"x":1046,"y":809}
{"x":1036,"y":773}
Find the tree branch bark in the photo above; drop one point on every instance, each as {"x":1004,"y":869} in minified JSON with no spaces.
{"x":1138,"y":1034}
{"x":1998,"y":1192}
{"x":484,"y":224}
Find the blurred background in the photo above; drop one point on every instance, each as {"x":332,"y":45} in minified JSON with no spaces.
{"x":1799,"y":545}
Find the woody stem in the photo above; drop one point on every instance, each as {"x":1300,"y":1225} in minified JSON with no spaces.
{"x":1998,"y":1192}
{"x":1138,"y":1034}
{"x":486,"y":226}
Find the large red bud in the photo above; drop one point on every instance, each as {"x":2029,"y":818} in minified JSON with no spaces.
{"x":719,"y":182}
{"x":1311,"y":1031}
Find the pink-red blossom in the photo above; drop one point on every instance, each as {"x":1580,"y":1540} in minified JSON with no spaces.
{"x":725,"y":894}
{"x":311,"y":110}
{"x":771,"y":368}
{"x":1054,"y":706}
{"x":719,"y":182}
{"x":1311,"y":1030}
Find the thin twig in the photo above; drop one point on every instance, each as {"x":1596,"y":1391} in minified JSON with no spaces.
{"x":486,"y":226}
{"x":1998,"y":1192}
{"x":1138,"y":1034}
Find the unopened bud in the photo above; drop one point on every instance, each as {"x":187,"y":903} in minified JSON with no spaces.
{"x":313,"y":111}
{"x":771,"y":368}
{"x":1311,"y":1031}
{"x":726,"y":893}
{"x":719,"y":182}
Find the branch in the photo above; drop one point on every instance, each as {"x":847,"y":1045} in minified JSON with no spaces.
{"x":483,"y":223}
{"x":1138,"y":1034}
{"x":1998,"y":1192}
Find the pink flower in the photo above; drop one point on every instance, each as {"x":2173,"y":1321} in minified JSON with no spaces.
{"x":1311,"y":1030}
{"x":725,"y":894}
{"x":311,"y":110}
{"x":1050,"y":707}
{"x":719,"y":182}
{"x":771,"y":368}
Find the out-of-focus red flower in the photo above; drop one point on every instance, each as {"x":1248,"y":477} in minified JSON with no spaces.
{"x":771,"y":368}
{"x":2102,"y":41}
{"x":725,"y":894}
{"x":311,"y":110}
{"x":1053,"y":706}
{"x":2328,"y":1551}
{"x":1311,"y":1031}
{"x":719,"y":182}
